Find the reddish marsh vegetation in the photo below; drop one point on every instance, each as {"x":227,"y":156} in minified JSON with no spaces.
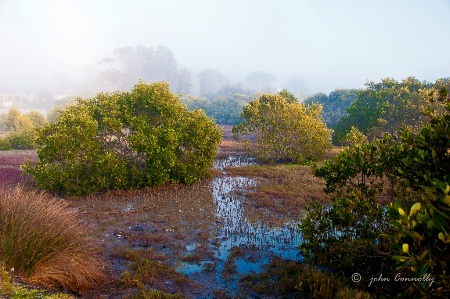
{"x":10,"y":161}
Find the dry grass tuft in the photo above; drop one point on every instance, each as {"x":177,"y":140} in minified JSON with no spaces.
{"x":46,"y":244}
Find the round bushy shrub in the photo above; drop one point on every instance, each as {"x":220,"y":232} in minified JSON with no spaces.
{"x":125,"y":140}
{"x":284,"y":130}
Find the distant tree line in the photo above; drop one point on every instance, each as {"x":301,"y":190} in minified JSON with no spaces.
{"x":224,"y":106}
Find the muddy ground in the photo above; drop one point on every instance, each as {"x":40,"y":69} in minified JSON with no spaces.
{"x":199,"y":241}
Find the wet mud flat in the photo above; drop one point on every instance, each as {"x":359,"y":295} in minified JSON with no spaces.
{"x":205,"y":232}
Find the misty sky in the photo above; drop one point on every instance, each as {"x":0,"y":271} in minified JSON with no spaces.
{"x":327,"y":44}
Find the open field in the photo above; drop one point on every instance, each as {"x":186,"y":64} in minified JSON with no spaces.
{"x":196,"y":241}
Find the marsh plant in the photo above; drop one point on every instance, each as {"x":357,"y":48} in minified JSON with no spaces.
{"x":45,"y":243}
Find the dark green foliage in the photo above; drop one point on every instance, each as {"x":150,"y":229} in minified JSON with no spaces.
{"x":415,"y":232}
{"x":125,"y":140}
{"x":334,"y":104}
{"x":366,"y":169}
{"x":422,"y":242}
{"x":345,"y":236}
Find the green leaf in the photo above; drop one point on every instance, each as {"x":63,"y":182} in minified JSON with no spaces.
{"x":440,"y":223}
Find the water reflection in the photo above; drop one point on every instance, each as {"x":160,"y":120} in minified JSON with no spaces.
{"x":238,"y":241}
{"x":233,"y":161}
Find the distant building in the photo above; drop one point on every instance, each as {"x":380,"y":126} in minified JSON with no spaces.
{"x":6,"y":103}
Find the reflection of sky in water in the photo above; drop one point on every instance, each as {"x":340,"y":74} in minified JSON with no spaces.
{"x":234,"y":230}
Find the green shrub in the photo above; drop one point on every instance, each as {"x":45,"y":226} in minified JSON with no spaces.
{"x":45,"y":243}
{"x":386,"y":107}
{"x":22,"y":129}
{"x":366,"y":169}
{"x":5,"y":144}
{"x":354,"y":137}
{"x":125,"y":140}
{"x":284,"y":130}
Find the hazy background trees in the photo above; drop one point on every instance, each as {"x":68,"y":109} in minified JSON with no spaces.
{"x":225,"y":105}
{"x":128,"y":65}
{"x":261,"y":81}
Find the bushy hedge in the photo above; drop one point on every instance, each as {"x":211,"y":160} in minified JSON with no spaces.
{"x":125,"y":140}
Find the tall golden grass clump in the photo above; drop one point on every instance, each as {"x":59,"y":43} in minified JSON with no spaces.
{"x":45,"y":242}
